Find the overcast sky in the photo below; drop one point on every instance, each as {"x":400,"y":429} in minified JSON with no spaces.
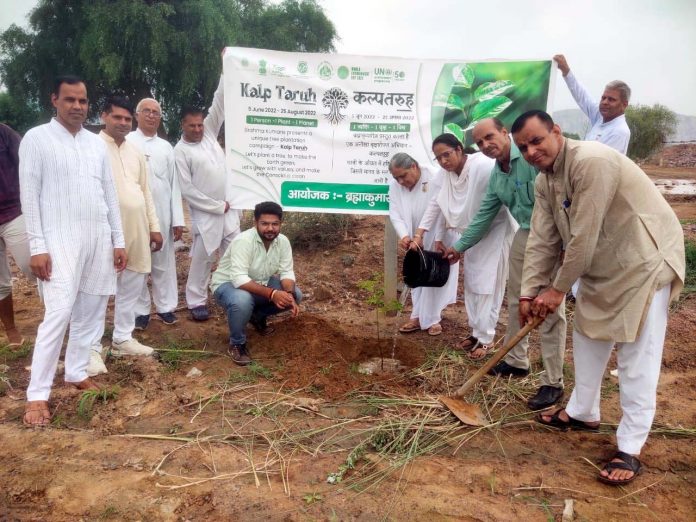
{"x":650,"y":44}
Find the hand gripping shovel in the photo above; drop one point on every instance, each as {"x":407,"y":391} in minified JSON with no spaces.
{"x":469,"y":413}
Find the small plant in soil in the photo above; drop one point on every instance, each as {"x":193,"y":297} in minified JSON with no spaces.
{"x":8,"y":354}
{"x":177,"y":353}
{"x":237,"y":377}
{"x":259,"y":370}
{"x":312,"y":498}
{"x":89,"y":397}
{"x":374,"y":288}
{"x":351,"y":461}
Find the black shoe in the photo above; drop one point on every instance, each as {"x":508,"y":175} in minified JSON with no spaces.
{"x":200,"y":313}
{"x":167,"y":318}
{"x":545,"y":397}
{"x":261,"y":325}
{"x":505,"y":370}
{"x":141,"y":322}
{"x":239,"y":354}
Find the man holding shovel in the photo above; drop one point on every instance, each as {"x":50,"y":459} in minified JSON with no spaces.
{"x":625,"y":244}
{"x":512,"y":184}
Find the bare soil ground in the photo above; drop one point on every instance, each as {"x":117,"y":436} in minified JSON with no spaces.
{"x":259,"y":443}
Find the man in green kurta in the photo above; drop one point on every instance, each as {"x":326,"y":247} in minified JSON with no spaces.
{"x":512,"y":184}
{"x":625,"y":244}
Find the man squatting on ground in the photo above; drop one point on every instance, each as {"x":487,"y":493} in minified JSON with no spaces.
{"x":255,"y":279}
{"x":512,"y":185}
{"x":74,"y":228}
{"x":13,"y":236}
{"x":140,"y":225}
{"x":464,"y":181}
{"x":204,"y":182}
{"x":625,"y":244}
{"x":410,"y":192}
{"x":163,"y":183}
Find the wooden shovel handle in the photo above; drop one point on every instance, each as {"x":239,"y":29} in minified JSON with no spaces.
{"x":497,"y":357}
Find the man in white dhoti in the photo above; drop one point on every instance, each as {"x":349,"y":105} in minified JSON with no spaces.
{"x":203,"y":179}
{"x":164,"y":187}
{"x":75,"y":237}
{"x":465,"y":179}
{"x":625,"y":244}
{"x":410,"y":191}
{"x":140,"y":224}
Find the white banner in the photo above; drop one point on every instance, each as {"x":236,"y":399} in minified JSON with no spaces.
{"x":315,"y":132}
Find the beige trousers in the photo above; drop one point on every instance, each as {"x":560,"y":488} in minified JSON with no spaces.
{"x":553,"y":329}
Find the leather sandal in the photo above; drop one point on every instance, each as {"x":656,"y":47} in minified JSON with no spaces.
{"x":36,"y":414}
{"x":469,"y":343}
{"x":627,"y":462}
{"x":87,"y":384}
{"x":571,"y":424}
{"x":480,"y":346}
{"x":410,"y":327}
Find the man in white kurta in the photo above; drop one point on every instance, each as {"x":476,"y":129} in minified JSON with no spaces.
{"x":607,"y":120}
{"x":204,"y":183}
{"x":74,"y":228}
{"x":140,"y":223}
{"x":410,"y":190}
{"x":486,"y":263}
{"x":164,"y":187}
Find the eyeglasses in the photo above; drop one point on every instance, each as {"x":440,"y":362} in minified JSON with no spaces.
{"x":445,"y":155}
{"x":150,"y":112}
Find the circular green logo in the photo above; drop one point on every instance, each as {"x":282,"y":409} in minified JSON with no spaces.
{"x":302,"y":67}
{"x":342,"y":72}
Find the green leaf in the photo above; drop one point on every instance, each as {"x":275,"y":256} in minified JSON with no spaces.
{"x":451,"y":102}
{"x":489,"y":90}
{"x":490,"y":108}
{"x":453,"y":128}
{"x":463,"y":75}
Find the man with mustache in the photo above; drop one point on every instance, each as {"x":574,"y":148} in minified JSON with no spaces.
{"x":75,"y":237}
{"x":607,"y":121}
{"x":140,"y":224}
{"x":255,"y":279}
{"x":512,"y":185}
{"x":626,"y":245}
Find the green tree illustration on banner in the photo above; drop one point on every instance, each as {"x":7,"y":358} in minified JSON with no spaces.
{"x":467,"y":93}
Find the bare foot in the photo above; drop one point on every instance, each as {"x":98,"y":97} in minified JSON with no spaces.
{"x":622,"y":469}
{"x":479,"y":352}
{"x":87,"y":384}
{"x":36,"y":414}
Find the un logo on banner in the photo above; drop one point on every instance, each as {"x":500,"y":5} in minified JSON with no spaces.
{"x":334,"y":99}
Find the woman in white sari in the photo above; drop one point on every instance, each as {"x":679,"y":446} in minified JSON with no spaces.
{"x":464,"y":181}
{"x":410,"y":192}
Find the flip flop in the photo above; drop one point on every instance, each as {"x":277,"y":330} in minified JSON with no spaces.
{"x":435,"y":329}
{"x":628,"y":462}
{"x":16,"y":345}
{"x":410,"y":327}
{"x":571,"y":424}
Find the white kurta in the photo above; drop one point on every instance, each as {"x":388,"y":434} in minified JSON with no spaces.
{"x":204,"y":181}
{"x":458,"y":201}
{"x":71,"y":210}
{"x":164,"y":186}
{"x":406,"y":209}
{"x":614,"y":133}
{"x":486,"y":263}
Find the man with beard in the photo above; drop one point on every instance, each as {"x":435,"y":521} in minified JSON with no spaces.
{"x":512,"y":185}
{"x":255,"y":279}
{"x":75,"y":237}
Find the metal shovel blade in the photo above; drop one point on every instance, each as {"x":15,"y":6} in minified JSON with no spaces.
{"x":466,"y":412}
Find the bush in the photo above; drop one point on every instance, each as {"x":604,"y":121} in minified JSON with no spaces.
{"x":309,"y":231}
{"x":650,"y":128}
{"x":690,"y":279}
